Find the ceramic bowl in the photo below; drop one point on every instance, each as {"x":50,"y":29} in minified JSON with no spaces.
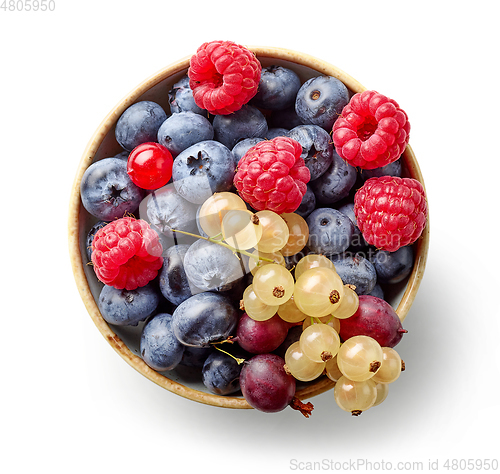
{"x":125,"y":340}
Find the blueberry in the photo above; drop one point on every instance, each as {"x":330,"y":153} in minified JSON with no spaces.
{"x":392,"y":169}
{"x":248,"y":122}
{"x":336,"y":183}
{"x":317,"y":148}
{"x":166,"y":209}
{"x":377,"y":292}
{"x":278,"y":87}
{"x":139,"y":124}
{"x":180,"y":98}
{"x":159,"y":347}
{"x":243,"y":146}
{"x":357,"y":241}
{"x":221,"y":373}
{"x":195,"y":356}
{"x":393,"y":267}
{"x":286,"y":118}
{"x":107,"y":191}
{"x":320,"y":101}
{"x":201,"y":232}
{"x":90,"y":237}
{"x":128,"y":307}
{"x":210,"y":266}
{"x":203,"y":169}
{"x":203,"y":319}
{"x":276,"y":132}
{"x":308,"y":203}
{"x":123,"y":155}
{"x":173,"y":282}
{"x":356,"y":270}
{"x":330,"y":231}
{"x":182,"y":130}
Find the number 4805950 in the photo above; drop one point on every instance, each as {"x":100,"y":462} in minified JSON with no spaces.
{"x":28,"y":5}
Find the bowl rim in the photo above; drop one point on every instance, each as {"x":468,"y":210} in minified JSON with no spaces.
{"x":317,"y":387}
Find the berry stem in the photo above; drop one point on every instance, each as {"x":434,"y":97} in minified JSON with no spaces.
{"x":230,"y":340}
{"x":237,"y":359}
{"x":331,"y":319}
{"x":218,"y":242}
{"x":304,"y":408}
{"x":216,"y":237}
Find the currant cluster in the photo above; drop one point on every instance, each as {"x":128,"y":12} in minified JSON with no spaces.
{"x":315,"y":298}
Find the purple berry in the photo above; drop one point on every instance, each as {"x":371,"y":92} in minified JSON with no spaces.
{"x":265,"y":384}
{"x":374,"y":318}
{"x":260,"y":337}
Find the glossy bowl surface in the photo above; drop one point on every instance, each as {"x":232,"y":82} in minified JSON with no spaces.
{"x":124,"y":340}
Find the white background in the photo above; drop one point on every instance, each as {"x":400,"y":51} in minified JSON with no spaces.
{"x":71,"y":404}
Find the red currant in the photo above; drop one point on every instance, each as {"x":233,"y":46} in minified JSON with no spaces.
{"x":149,"y":165}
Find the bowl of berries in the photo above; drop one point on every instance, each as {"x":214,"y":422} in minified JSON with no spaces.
{"x":248,"y":228}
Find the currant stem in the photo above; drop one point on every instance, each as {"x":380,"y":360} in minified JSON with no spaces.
{"x":218,"y":242}
{"x":216,"y":236}
{"x":304,"y":408}
{"x":229,"y":340}
{"x":330,"y":320}
{"x":237,"y":359}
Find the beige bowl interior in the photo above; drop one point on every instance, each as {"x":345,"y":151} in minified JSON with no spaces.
{"x":185,"y":381}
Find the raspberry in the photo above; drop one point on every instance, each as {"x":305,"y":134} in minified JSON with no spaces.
{"x":272,"y":175}
{"x":126,"y":253}
{"x":372,"y":131}
{"x":223,"y":76}
{"x":391,"y":212}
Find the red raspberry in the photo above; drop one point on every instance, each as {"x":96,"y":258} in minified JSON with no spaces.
{"x":126,"y":253}
{"x":223,"y":76}
{"x":391,"y":212}
{"x":372,"y":131}
{"x":272,"y":175}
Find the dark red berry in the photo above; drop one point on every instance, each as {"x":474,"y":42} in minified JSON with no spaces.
{"x":375,"y":318}
{"x":260,"y":337}
{"x":265,"y":384}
